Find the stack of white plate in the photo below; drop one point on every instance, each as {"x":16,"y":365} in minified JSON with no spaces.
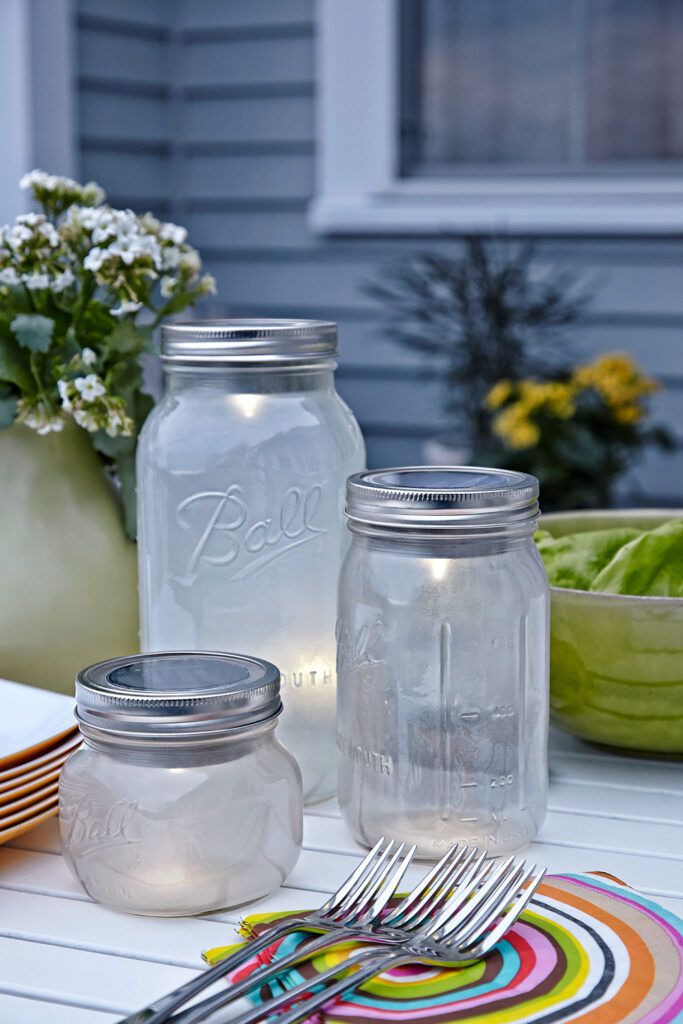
{"x":37,"y":733}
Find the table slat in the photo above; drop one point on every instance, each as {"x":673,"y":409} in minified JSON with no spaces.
{"x":22,"y":1010}
{"x":84,"y":925}
{"x":81,"y":978}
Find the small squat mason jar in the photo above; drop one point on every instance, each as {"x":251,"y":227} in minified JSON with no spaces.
{"x":443,"y":659}
{"x":181,"y":800}
{"x":241,"y":475}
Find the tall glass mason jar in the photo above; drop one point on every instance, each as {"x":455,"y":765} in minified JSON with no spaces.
{"x":241,"y":472}
{"x":443,"y":659}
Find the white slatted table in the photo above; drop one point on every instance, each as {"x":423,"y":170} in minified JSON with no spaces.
{"x":66,"y":960}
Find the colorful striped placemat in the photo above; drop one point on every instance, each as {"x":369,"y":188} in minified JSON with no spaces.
{"x":588,"y":948}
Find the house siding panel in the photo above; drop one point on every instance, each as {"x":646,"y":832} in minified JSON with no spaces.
{"x":237,"y":82}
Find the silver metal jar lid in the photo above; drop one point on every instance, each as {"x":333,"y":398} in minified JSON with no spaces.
{"x":177,"y":695}
{"x":441,"y":498}
{"x":248,"y":342}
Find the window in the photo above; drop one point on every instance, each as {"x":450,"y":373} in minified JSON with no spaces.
{"x":530,"y":115}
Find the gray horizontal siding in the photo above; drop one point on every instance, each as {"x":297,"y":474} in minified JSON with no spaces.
{"x":204,"y":109}
{"x":247,"y":62}
{"x":123,"y":57}
{"x":252,"y":16}
{"x":146,"y":13}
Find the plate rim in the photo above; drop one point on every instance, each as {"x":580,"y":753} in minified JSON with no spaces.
{"x":17,"y":830}
{"x":53,"y":753}
{"x":26,"y":812}
{"x":33,"y":799}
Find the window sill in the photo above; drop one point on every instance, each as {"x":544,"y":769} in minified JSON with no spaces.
{"x":457,"y":211}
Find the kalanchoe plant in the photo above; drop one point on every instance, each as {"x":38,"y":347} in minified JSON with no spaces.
{"x":82,"y":288}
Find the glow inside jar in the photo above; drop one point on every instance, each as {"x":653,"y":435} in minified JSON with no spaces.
{"x":181,"y":799}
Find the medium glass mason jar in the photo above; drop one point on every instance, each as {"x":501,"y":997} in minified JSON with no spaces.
{"x":181,"y":800}
{"x":443,"y":659}
{"x":241,"y":473}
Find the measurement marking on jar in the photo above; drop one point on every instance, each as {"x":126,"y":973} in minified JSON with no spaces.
{"x":469,"y":819}
{"x":500,"y":711}
{"x":503,"y":711}
{"x":469,"y":785}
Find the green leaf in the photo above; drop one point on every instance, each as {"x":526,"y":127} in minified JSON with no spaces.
{"x":125,"y":378}
{"x":575,"y":560}
{"x":71,"y":346}
{"x":15,"y":366}
{"x":96,"y":320}
{"x":177,"y":303}
{"x":8,"y":407}
{"x":113,"y":447}
{"x":651,"y":565}
{"x":33,"y":331}
{"x":142,"y":405}
{"x":128,"y":339}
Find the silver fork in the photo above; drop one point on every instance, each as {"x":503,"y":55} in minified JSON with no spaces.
{"x":367,"y":882}
{"x":467,"y":928}
{"x":460,"y":872}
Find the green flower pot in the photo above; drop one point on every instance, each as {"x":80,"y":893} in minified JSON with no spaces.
{"x":69,"y":578}
{"x":616,"y":662}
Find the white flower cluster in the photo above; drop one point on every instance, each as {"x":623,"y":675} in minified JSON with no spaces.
{"x":39,"y":417}
{"x":67,"y":190}
{"x":124,"y":245}
{"x":69,"y":265}
{"x":31,"y":253}
{"x":126,"y":253}
{"x":85,"y":398}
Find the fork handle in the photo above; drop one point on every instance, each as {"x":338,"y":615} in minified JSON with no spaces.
{"x":200,"y":1011}
{"x":194,"y":1014}
{"x":160,"y":1010}
{"x":347,"y":984}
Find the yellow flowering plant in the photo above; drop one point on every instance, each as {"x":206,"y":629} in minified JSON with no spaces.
{"x":578,"y":433}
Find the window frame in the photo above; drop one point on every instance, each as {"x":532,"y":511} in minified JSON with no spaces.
{"x":37,"y":117}
{"x":359,"y":189}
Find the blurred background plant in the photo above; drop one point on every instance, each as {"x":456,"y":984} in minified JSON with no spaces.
{"x":82,"y":288}
{"x":487,"y":314}
{"x":577,"y":432}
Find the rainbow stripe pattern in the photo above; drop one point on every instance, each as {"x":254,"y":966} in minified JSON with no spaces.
{"x":587,"y":949}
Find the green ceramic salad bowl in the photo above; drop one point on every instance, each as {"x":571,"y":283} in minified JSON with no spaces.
{"x":616,"y":662}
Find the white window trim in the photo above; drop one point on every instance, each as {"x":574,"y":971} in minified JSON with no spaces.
{"x":37,"y":112}
{"x":359,"y":190}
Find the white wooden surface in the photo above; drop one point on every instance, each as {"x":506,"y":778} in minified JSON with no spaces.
{"x":66,"y":960}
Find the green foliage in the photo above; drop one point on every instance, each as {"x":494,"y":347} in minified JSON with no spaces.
{"x":578,"y":433}
{"x":74,"y":281}
{"x":33,"y":331}
{"x":8,"y":406}
{"x":15,"y":367}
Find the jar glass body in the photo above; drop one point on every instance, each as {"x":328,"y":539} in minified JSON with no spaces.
{"x":443,"y":691}
{"x":172,"y":832}
{"x":241,"y":478}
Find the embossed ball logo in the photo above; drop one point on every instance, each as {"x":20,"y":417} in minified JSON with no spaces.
{"x":227,"y":534}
